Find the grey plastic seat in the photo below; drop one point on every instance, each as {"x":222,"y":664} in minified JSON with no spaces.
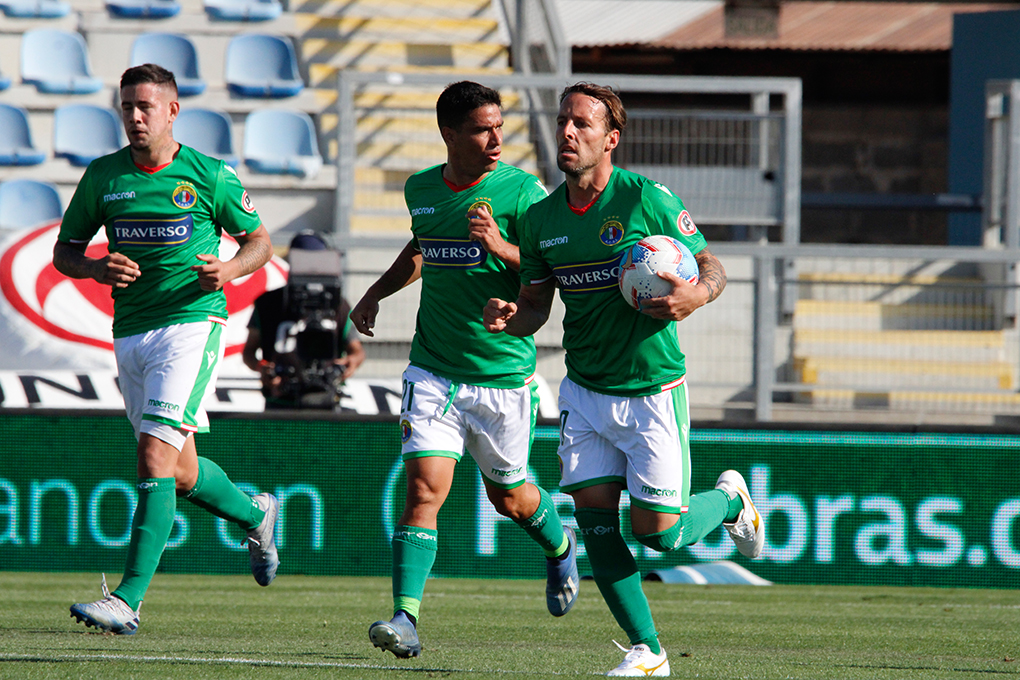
{"x":208,"y":132}
{"x":56,"y":62}
{"x":28,"y":203}
{"x":259,"y":65}
{"x":83,"y":133}
{"x":281,"y":142}
{"x":173,"y":52}
{"x":16,"y":147}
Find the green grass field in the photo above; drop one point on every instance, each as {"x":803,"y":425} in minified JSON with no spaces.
{"x":316,"y":627}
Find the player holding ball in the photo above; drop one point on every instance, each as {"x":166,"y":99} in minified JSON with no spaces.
{"x":624,"y":416}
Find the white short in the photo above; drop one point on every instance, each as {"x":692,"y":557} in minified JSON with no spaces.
{"x":165,"y":374}
{"x":495,"y":425}
{"x":640,"y":442}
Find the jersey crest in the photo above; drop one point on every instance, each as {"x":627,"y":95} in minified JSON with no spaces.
{"x":185,"y":196}
{"x":611,"y":232}
{"x":481,"y":203}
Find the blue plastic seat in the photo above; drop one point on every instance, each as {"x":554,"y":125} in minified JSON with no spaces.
{"x":143,"y":9}
{"x":56,"y":62}
{"x":28,"y":203}
{"x":35,"y":9}
{"x":281,"y":142}
{"x":173,"y":52}
{"x":16,"y":147}
{"x":207,"y":132}
{"x":262,"y":66}
{"x":83,"y":133}
{"x":243,"y":10}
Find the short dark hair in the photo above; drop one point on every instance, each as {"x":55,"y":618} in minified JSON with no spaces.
{"x":148,"y":73}
{"x":458,"y":100}
{"x":616,"y":115}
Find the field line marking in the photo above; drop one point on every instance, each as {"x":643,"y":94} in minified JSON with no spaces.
{"x":10,"y":656}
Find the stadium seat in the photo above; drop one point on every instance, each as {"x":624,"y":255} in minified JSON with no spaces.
{"x":262,"y":66}
{"x":208,"y":132}
{"x":174,"y":52}
{"x":35,"y":9}
{"x":5,"y":82}
{"x":27,"y":203}
{"x":83,"y":133}
{"x":16,"y":147}
{"x":143,"y":9}
{"x":282,"y":143}
{"x":56,"y":62}
{"x":243,"y":10}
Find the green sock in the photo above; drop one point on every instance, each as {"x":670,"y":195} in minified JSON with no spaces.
{"x":213,"y":491}
{"x":414,"y":552}
{"x":545,"y":527}
{"x":735,"y":505}
{"x":616,"y":574}
{"x":705,"y":512}
{"x":150,"y":529}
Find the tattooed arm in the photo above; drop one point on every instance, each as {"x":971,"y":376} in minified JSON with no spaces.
{"x":255,"y":251}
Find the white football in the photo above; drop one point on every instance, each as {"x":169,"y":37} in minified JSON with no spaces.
{"x":643,"y":260}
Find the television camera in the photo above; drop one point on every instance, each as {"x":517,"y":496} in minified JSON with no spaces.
{"x":307,"y":349}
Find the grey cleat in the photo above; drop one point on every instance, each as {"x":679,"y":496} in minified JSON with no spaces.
{"x":262,"y":541}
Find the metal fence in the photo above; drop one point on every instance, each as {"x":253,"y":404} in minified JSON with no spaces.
{"x":737,"y":165}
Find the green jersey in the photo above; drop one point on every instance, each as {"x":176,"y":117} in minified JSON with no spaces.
{"x":458,"y":277}
{"x":161,"y":220}
{"x":611,"y":347}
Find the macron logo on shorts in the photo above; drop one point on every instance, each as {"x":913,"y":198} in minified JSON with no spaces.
{"x":164,"y":404}
{"x":210,"y":357}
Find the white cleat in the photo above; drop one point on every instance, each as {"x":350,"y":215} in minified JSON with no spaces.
{"x":748,"y":530}
{"x":110,"y":614}
{"x":640,"y":662}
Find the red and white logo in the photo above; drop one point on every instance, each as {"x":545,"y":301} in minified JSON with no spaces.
{"x":685,"y":224}
{"x":81,"y":310}
{"x":246,"y":203}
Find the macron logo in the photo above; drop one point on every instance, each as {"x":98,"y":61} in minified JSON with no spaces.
{"x":422,"y":211}
{"x":117,"y":197}
{"x":549,"y":243}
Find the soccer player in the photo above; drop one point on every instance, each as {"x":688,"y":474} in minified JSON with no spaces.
{"x":624,"y":414}
{"x":464,"y":388}
{"x":164,"y":206}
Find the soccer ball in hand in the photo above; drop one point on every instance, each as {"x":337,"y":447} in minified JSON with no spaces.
{"x":638,"y":267}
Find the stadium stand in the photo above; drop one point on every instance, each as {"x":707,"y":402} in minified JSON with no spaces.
{"x":206,"y":131}
{"x":143,"y":9}
{"x":35,"y":9}
{"x":27,"y":203}
{"x":84,"y":132}
{"x":243,"y":10}
{"x":174,"y":52}
{"x":281,"y":142}
{"x":262,"y":65}
{"x":16,"y":147}
{"x":56,"y":62}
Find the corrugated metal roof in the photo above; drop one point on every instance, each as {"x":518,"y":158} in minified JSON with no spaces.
{"x":621,"y":22}
{"x":851,"y":26}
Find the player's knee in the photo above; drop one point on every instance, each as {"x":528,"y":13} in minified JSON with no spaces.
{"x":507,"y":504}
